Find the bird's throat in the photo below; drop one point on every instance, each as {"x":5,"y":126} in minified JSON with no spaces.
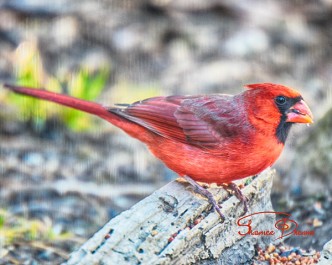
{"x":283,"y":130}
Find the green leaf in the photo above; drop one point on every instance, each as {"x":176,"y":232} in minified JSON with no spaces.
{"x":2,"y":220}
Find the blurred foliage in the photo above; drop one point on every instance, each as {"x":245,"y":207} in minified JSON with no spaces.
{"x":127,"y":92}
{"x":84,"y":85}
{"x":29,"y":71}
{"x":14,"y":229}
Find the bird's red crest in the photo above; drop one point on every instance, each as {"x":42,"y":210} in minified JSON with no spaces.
{"x":261,"y":85}
{"x":274,"y":88}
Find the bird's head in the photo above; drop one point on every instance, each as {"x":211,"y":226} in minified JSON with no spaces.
{"x":278,"y":105}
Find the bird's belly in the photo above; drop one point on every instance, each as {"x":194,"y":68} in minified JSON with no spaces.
{"x":231,"y":163}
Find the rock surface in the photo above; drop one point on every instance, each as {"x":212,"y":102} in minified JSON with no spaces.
{"x":173,"y":226}
{"x":326,"y":256}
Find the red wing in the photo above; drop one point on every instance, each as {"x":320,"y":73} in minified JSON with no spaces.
{"x":198,"y":120}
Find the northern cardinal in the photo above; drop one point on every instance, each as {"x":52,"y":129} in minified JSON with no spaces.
{"x":206,"y":138}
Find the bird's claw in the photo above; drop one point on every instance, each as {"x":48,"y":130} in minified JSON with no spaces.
{"x":238,"y":194}
{"x":200,"y":190}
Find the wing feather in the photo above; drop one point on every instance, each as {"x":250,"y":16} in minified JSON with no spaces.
{"x":204,"y":121}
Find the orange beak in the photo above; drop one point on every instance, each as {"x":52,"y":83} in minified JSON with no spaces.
{"x":300,"y":113}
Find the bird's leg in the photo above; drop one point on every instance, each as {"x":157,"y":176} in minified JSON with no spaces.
{"x":199,"y":189}
{"x":238,"y":194}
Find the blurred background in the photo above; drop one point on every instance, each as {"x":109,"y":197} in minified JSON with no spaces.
{"x":63,"y":174}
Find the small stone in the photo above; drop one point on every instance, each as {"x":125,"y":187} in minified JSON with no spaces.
{"x":247,"y":41}
{"x":317,"y":223}
{"x":197,"y":221}
{"x":33,"y":159}
{"x":284,"y":259}
{"x":154,"y":232}
{"x":271,"y":248}
{"x":304,"y":260}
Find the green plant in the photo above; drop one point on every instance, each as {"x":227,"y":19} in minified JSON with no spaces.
{"x":14,"y":228}
{"x":29,"y":71}
{"x":84,"y":85}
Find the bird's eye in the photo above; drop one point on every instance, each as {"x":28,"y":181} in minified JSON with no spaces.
{"x":280,"y":100}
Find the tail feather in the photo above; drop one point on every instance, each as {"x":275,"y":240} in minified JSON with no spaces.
{"x":80,"y":104}
{"x":133,"y":129}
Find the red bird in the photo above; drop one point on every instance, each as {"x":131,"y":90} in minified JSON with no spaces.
{"x":206,"y":138}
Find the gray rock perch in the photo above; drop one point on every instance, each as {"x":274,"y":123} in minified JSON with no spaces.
{"x":175,"y":226}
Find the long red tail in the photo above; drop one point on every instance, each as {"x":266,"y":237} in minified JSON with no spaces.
{"x":129,"y":127}
{"x":80,"y":104}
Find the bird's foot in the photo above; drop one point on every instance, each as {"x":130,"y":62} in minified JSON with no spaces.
{"x":238,"y":194}
{"x":199,"y":189}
